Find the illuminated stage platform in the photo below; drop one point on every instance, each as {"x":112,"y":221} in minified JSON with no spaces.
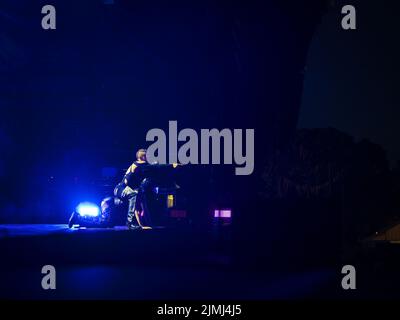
{"x":147,"y":264}
{"x":17,"y":230}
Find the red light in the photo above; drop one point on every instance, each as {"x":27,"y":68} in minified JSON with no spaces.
{"x":178,"y":213}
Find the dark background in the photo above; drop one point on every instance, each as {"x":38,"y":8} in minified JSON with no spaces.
{"x":81,"y":98}
{"x":351,"y":79}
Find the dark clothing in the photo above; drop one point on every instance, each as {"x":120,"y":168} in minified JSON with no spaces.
{"x":136,"y":173}
{"x":138,"y":180}
{"x":126,"y":193}
{"x":132,"y":188}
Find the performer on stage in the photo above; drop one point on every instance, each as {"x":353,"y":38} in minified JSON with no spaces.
{"x":137,"y":181}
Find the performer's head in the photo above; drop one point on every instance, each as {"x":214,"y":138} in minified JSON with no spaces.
{"x":141,"y":155}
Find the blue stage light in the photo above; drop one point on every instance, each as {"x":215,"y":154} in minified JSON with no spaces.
{"x":87,"y":209}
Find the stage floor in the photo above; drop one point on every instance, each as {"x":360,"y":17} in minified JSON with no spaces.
{"x":147,"y":264}
{"x":17,"y":230}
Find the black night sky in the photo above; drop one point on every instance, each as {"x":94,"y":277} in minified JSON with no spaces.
{"x":351,"y":81}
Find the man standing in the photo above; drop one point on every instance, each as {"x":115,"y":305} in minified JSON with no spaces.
{"x":133,"y":187}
